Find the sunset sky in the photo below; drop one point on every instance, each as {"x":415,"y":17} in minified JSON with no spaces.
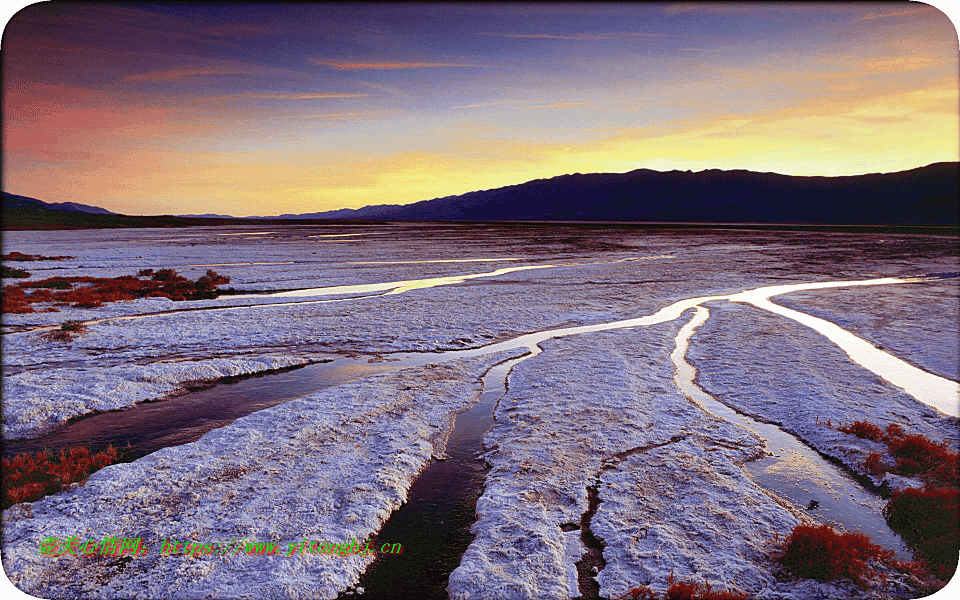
{"x":263,"y":110}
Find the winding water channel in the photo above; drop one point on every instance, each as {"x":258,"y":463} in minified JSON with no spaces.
{"x":441,"y":501}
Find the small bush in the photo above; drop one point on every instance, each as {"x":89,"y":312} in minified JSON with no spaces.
{"x":918,"y":456}
{"x":641,"y":592}
{"x":67,"y":331}
{"x":14,"y":301}
{"x":165,"y":275}
{"x":75,"y":326}
{"x":681,"y":590}
{"x":894,"y":431}
{"x":29,"y":477}
{"x":928,"y":521}
{"x":874,"y":464}
{"x":11,"y":273}
{"x":823,"y":554}
{"x":864,"y":430}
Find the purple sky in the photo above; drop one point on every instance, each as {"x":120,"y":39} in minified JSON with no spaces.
{"x":243,"y":110}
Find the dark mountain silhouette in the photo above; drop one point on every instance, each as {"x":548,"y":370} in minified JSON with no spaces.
{"x":24,"y":202}
{"x":24,"y":213}
{"x":922,"y":196}
{"x":926,"y":195}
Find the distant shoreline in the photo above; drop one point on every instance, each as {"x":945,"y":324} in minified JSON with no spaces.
{"x":172,"y":222}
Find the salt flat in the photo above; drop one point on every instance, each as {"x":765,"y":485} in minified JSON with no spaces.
{"x":594,"y":410}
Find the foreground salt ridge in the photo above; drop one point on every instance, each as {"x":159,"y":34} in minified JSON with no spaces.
{"x":696,"y":512}
{"x":330,"y":466}
{"x":727,"y":522}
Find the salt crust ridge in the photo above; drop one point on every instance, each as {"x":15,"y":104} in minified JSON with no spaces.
{"x":674,"y":496}
{"x":36,"y":401}
{"x":740,"y":361}
{"x":558,"y":431}
{"x":330,"y":466}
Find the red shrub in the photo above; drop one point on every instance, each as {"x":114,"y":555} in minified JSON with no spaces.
{"x":164,"y":283}
{"x":31,"y":257}
{"x":864,"y":430}
{"x":14,"y":300}
{"x":917,"y":455}
{"x":27,"y":477}
{"x":874,"y":464}
{"x":59,"y":283}
{"x":165,"y":275}
{"x":681,"y":590}
{"x":929,"y":521}
{"x":640,"y":593}
{"x":823,"y":554}
{"x":894,"y":431}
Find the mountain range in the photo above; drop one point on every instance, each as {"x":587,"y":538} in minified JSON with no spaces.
{"x":922,"y":196}
{"x":925,"y":195}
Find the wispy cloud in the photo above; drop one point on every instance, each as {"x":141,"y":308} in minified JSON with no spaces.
{"x":175,"y":74}
{"x":583,"y":37}
{"x":561,"y":105}
{"x":243,"y":30}
{"x":482,"y":104}
{"x":340,"y":115}
{"x":281,"y":96}
{"x":360,"y":65}
{"x":532,"y":105}
{"x":902,"y":13}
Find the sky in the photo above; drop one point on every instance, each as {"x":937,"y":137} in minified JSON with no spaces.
{"x":267,"y":109}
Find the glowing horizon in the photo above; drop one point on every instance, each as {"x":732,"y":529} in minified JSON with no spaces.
{"x":272,"y":109}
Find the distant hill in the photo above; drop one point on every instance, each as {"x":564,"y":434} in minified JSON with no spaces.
{"x":24,"y":213}
{"x":23,"y":202}
{"x":922,"y":196}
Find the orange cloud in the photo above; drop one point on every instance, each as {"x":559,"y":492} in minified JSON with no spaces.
{"x":583,"y":37}
{"x":903,"y":13}
{"x":280,"y":96}
{"x":350,"y":66}
{"x":341,"y":115}
{"x":180,"y":73}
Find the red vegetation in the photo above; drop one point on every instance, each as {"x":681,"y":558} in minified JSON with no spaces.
{"x":875,"y":465}
{"x":92,"y":292}
{"x":864,"y":430}
{"x":823,"y":554}
{"x":67,"y":331}
{"x":29,"y":477}
{"x":929,"y":521}
{"x":680,"y":590}
{"x":20,"y":256}
{"x":914,"y":455}
{"x":918,"y":456}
